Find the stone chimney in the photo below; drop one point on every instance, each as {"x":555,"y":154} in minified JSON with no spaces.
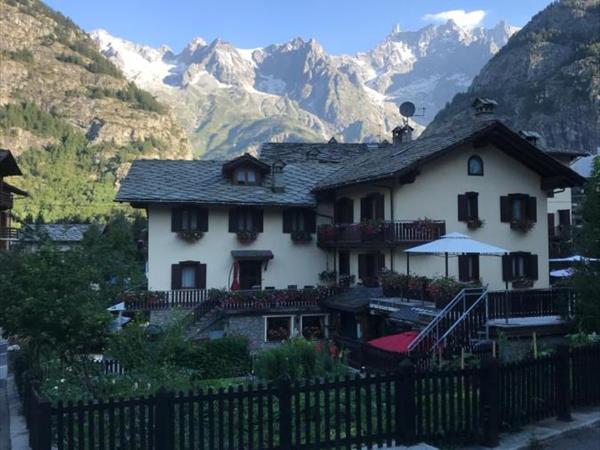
{"x":278,"y":184}
{"x":484,"y":106}
{"x":533,"y":137}
{"x":402,"y":134}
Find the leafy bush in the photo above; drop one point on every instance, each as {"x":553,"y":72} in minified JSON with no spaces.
{"x":394,"y":284}
{"x":298,"y":359}
{"x":22,"y":54}
{"x":442,"y":290}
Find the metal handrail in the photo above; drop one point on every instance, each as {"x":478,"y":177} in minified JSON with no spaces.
{"x":461,"y":319}
{"x":442,"y":314}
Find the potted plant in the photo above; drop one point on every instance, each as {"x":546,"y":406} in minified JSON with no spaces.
{"x":522,"y":283}
{"x":475,"y":223}
{"x":523,"y":225}
{"x":328,"y":277}
{"x":190,"y":236}
{"x":345,"y":281}
{"x":245,"y":237}
{"x":393,"y":284}
{"x":301,"y":237}
{"x":328,"y":231}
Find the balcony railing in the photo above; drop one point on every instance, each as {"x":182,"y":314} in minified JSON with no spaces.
{"x":6,"y":200}
{"x":225,"y":300}
{"x":8,"y":234}
{"x":383,"y":233}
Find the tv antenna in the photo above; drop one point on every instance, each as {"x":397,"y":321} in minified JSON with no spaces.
{"x":408,"y":109}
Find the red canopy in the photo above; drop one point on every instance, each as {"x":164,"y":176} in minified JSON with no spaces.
{"x":396,"y":342}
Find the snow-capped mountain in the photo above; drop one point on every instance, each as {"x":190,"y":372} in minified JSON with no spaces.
{"x":231,"y":100}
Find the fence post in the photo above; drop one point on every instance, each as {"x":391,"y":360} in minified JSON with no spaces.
{"x":284,"y":392}
{"x":406,"y":403}
{"x":164,"y":416}
{"x":43,"y":418}
{"x":563,"y":381}
{"x":489,"y":407}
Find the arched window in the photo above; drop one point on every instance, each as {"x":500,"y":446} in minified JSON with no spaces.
{"x":475,"y":165}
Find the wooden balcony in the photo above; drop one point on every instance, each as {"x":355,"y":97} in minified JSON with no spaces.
{"x":380,"y":234}
{"x":6,"y":200}
{"x":8,"y":234}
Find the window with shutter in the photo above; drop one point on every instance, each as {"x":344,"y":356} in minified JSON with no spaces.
{"x":344,"y":210}
{"x":505,"y":214}
{"x":344,"y":263}
{"x":372,"y":207}
{"x":531,"y":208}
{"x":564,"y":217}
{"x":188,"y":275}
{"x":551,"y":225}
{"x":468,"y":208}
{"x":507,"y":273}
{"x":462,"y":208}
{"x":245,"y":219}
{"x":189,"y":219}
{"x":468,"y":267}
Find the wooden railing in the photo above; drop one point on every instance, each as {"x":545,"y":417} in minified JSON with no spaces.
{"x":8,"y":233}
{"x":156,"y":300}
{"x":380,"y":233}
{"x":531,"y":303}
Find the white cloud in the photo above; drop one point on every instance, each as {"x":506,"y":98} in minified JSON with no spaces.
{"x":461,"y":17}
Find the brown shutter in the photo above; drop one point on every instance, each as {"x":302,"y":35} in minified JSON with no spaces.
{"x":531,"y":209}
{"x":202,"y":219}
{"x":379,"y":200}
{"x":475,"y":205}
{"x":463,"y":268}
{"x":505,"y":212}
{"x":176,"y":219}
{"x":475,"y":258}
{"x":287,"y":221}
{"x":564,"y":217}
{"x":258,"y":220}
{"x":380,"y":263}
{"x":310,"y":221}
{"x":462,"y":208}
{"x":200,"y":276}
{"x":551,"y":224}
{"x":233,"y":220}
{"x":362,"y":266}
{"x":175,"y":276}
{"x":507,"y":273}
{"x":365,"y":208}
{"x":532,"y":267}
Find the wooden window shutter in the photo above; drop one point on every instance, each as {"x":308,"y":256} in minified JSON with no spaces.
{"x":462,"y":208}
{"x":475,"y":257}
{"x":202,"y":219}
{"x":233,"y":220}
{"x":200,"y":276}
{"x":507,"y":272}
{"x":287,"y":221}
{"x":258,"y":220}
{"x":551,"y":224}
{"x":532,"y":267}
{"x":365,"y":208}
{"x":379,"y":200}
{"x":463,"y":268}
{"x":175,"y":276}
{"x":474,"y":198}
{"x":531,"y":208}
{"x":176,"y":219}
{"x":362,"y":266}
{"x":310,"y":221}
{"x":380,"y":263}
{"x":505,"y":211}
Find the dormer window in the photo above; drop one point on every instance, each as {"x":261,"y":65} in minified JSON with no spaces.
{"x":475,"y":166}
{"x":246,"y":176}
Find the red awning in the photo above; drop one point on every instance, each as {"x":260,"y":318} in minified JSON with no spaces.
{"x":396,"y":342}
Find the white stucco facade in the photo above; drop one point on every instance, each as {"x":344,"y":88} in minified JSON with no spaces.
{"x":432,"y":195}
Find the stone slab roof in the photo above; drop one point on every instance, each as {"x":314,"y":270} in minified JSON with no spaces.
{"x":170,"y":181}
{"x":296,"y":152}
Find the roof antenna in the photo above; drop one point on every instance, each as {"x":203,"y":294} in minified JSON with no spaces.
{"x":408,"y":109}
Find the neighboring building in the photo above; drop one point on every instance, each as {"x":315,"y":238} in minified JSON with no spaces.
{"x":8,"y":167}
{"x":64,"y":235}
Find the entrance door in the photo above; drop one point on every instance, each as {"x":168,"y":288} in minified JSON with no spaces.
{"x":250,"y":274}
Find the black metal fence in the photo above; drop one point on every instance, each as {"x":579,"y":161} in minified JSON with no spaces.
{"x":402,"y":407}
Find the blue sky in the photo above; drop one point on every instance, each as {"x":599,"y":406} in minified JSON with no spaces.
{"x":341,"y":26}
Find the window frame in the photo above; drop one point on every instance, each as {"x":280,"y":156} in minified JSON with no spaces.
{"x":245,"y":179}
{"x":469,"y":171}
{"x":266,"y":328}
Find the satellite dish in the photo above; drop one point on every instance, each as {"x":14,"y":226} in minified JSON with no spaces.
{"x":407,"y":109}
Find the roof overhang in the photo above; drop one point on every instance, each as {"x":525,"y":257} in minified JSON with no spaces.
{"x":13,"y":189}
{"x":144,"y":203}
{"x":252,"y":255}
{"x":8,"y":164}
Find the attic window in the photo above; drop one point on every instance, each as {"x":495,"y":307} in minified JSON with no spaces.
{"x":245,"y":176}
{"x":475,"y":166}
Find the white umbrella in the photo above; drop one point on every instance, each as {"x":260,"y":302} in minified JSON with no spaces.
{"x":562,"y":273}
{"x":456,"y":244}
{"x":574,"y":258}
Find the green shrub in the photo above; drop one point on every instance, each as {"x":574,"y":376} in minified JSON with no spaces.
{"x":22,"y":54}
{"x":298,"y":359}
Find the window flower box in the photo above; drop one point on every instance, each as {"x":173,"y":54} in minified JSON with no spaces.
{"x":523,"y":225}
{"x":328,"y":231}
{"x":522,"y":283}
{"x":301,"y":237}
{"x":246,"y":237}
{"x":475,"y":223}
{"x":190,"y":236}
